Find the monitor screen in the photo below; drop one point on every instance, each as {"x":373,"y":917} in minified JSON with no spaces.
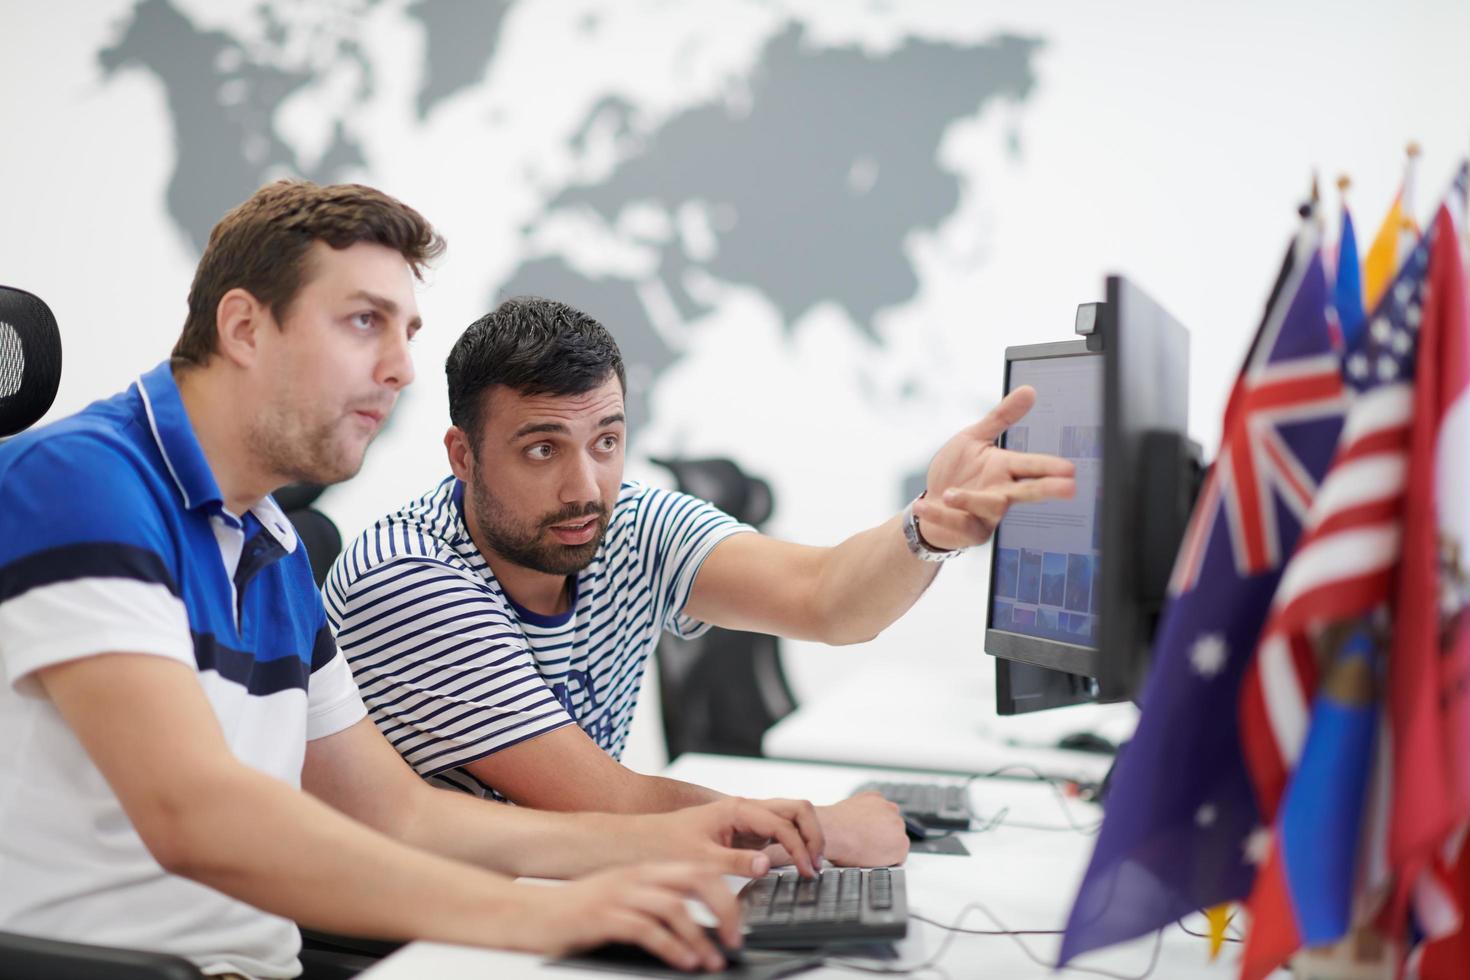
{"x":1044,"y":580}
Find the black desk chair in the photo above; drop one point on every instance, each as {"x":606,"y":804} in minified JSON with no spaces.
{"x":721,"y":692}
{"x":28,"y":958}
{"x":30,"y":371}
{"x":30,"y":360}
{"x":317,"y":532}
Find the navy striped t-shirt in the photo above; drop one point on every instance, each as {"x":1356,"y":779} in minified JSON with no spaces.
{"x":453,"y":670}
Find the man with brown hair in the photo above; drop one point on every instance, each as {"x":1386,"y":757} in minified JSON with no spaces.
{"x":172,"y":684}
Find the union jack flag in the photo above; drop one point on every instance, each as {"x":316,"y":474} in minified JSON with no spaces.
{"x":1284,"y":382}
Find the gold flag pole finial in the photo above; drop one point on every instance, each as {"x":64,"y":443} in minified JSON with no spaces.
{"x":1412,"y":150}
{"x":1219,"y":919}
{"x":1343,"y":183}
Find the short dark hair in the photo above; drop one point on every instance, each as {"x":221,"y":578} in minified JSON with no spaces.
{"x":261,"y":246}
{"x":533,"y":346}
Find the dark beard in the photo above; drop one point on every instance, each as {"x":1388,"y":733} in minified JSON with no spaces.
{"x":526,"y":546}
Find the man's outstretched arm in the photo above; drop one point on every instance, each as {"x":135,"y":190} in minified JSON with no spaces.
{"x":853,"y":591}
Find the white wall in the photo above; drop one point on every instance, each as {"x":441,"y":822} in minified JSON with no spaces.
{"x":1167,"y":141}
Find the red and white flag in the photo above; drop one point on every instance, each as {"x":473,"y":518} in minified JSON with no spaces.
{"x":1429,"y":665}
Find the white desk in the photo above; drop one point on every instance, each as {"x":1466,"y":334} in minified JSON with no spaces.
{"x":910,"y":718}
{"x":1026,"y":877}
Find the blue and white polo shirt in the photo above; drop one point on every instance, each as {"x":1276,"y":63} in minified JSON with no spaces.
{"x":453,"y":670}
{"x":114,"y":538}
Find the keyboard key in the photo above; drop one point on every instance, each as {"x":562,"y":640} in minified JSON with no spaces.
{"x":806,"y":892}
{"x":857,"y":905}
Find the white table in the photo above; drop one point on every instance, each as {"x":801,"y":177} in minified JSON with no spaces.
{"x":1026,"y":877}
{"x":911,"y":717}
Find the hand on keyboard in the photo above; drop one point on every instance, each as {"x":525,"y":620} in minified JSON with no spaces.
{"x":732,"y":834}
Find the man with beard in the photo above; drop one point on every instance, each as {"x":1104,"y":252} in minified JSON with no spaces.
{"x":171,"y":684}
{"x":498,"y":626}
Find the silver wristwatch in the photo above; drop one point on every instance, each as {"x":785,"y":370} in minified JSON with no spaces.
{"x":915,"y":540}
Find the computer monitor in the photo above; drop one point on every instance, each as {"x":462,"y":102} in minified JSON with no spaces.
{"x":1076,"y":586}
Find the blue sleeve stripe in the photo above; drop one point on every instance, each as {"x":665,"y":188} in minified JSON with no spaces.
{"x":323,"y":650}
{"x":72,"y":562}
{"x":259,"y":677}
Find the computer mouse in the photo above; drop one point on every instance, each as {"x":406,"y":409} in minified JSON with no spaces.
{"x":1087,"y":742}
{"x":915,"y":828}
{"x":631,"y":954}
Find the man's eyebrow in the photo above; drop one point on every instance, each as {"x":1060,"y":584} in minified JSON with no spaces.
{"x":608,"y":420}
{"x":386,"y":305}
{"x":533,"y":427}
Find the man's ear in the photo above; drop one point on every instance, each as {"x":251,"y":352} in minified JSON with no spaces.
{"x":461,"y":453}
{"x":239,"y":319}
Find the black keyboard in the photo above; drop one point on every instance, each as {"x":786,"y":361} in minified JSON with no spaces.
{"x":844,"y":905}
{"x":946,"y":806}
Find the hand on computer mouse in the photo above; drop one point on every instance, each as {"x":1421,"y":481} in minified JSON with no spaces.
{"x":628,"y":954}
{"x":864,"y":831}
{"x":917,"y":829}
{"x":642,"y":905}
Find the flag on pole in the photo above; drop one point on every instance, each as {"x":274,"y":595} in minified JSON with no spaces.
{"x":1334,"y":850}
{"x":1347,"y":290}
{"x":1396,"y":236}
{"x":1180,"y":833}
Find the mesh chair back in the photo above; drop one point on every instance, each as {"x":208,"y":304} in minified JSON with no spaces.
{"x":30,"y":360}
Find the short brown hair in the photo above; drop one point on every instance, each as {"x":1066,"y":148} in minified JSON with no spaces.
{"x":261,"y":246}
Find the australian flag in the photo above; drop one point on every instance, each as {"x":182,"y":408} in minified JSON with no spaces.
{"x":1182,"y":830}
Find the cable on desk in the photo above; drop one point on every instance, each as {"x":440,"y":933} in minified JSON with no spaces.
{"x":997,"y":819}
{"x":989,"y":823}
{"x":1002,"y":930}
{"x":1237,"y":938}
{"x":986,"y":932}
